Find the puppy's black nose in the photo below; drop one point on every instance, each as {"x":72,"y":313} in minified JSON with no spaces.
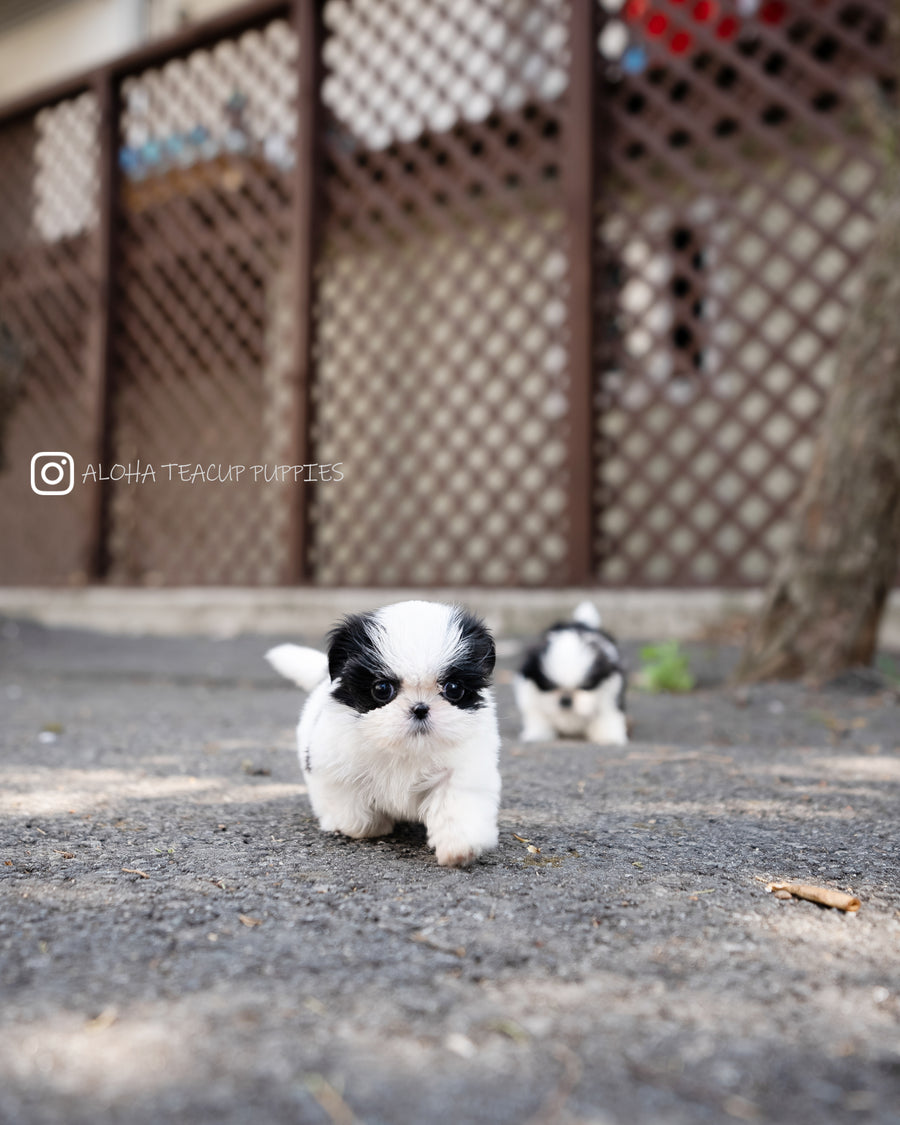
{"x":565,"y":701}
{"x":420,"y":711}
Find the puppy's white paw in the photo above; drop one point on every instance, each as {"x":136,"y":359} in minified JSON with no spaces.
{"x":358,"y":829}
{"x":609,"y":730}
{"x":456,"y":859}
{"x":457,"y":848}
{"x":535,"y":732}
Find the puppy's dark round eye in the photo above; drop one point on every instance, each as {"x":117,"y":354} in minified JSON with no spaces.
{"x":383,"y":691}
{"x":453,"y":691}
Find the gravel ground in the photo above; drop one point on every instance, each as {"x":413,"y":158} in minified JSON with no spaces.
{"x":180,"y":943}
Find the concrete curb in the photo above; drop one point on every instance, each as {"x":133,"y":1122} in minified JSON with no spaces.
{"x":660,"y":614}
{"x":229,"y":611}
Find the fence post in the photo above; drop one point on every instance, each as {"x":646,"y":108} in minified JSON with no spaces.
{"x":99,"y":353}
{"x":308,"y":24}
{"x":579,"y":193}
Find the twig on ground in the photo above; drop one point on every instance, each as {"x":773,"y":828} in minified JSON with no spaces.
{"x":824,"y":896}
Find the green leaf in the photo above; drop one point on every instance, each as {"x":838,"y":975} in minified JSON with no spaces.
{"x":664,"y":667}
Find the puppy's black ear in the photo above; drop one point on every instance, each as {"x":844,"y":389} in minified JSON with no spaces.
{"x":533,"y":668}
{"x":480,"y":651}
{"x":351,"y":638}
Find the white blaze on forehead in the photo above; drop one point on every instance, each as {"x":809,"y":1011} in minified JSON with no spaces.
{"x":418,"y":640}
{"x":568,"y":659}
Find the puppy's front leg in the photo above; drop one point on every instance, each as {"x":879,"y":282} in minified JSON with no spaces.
{"x":608,"y":730}
{"x":461,"y":818}
{"x":608,"y":726}
{"x":537,"y":730}
{"x":339,"y":808}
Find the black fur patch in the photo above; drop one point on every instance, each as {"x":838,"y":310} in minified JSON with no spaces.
{"x":601,"y":670}
{"x":474,"y":663}
{"x":355,"y":659}
{"x":533,"y":668}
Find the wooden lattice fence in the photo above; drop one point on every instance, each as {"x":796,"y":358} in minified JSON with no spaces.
{"x":532,"y":293}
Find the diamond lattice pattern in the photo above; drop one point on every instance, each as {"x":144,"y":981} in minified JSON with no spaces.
{"x":48,"y":284}
{"x":442,"y":346}
{"x":203,"y":333}
{"x":737,"y":204}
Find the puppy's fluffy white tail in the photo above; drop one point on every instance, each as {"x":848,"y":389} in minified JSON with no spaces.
{"x":307,"y":667}
{"x":586,"y":613}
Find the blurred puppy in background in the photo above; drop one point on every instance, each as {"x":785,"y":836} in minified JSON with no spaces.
{"x":572,"y":683}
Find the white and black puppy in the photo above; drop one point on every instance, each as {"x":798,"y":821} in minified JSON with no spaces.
{"x":401,"y":725}
{"x":572,"y":683}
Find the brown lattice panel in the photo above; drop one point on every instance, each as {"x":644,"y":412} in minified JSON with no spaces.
{"x":48,"y":278}
{"x":203,"y":322}
{"x":441,"y":315}
{"x":737,"y":204}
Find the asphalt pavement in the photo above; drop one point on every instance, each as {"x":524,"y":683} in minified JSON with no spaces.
{"x":179,"y":942}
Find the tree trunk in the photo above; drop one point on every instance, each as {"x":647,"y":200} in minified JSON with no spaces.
{"x":823,"y":609}
{"x":825,"y":603}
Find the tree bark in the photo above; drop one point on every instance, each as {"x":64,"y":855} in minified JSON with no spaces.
{"x":824,"y":606}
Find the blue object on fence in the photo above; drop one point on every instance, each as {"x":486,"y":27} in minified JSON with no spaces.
{"x":130,"y":162}
{"x":634,"y":61}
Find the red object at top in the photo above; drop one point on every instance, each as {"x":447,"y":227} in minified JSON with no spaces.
{"x":635,"y":9}
{"x":657,"y":23}
{"x":728,"y":27}
{"x":680,"y":43}
{"x":704,"y":11}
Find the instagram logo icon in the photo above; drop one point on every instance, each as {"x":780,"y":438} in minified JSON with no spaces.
{"x":52,"y":474}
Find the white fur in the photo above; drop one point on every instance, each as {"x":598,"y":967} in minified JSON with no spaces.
{"x":568,"y":659}
{"x":595,"y":714}
{"x":586,"y":613}
{"x":307,"y":667}
{"x":365,"y":771}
